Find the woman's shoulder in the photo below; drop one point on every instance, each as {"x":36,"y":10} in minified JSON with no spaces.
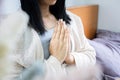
{"x":75,"y":21}
{"x":73,"y":16}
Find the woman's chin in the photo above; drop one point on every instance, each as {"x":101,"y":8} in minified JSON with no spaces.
{"x":53,"y":2}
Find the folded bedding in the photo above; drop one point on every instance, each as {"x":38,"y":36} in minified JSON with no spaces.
{"x":107,"y":47}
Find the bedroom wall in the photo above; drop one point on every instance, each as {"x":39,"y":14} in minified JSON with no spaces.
{"x":109,"y":12}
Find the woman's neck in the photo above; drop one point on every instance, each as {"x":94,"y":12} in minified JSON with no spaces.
{"x":48,"y":19}
{"x":45,"y":10}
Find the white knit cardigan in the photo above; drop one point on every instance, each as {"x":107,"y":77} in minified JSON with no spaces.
{"x":27,"y":47}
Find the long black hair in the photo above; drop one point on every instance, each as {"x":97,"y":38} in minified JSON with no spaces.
{"x":32,"y":8}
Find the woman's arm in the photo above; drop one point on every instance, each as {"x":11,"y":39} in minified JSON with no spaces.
{"x":85,"y":55}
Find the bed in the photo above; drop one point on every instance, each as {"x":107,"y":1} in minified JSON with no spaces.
{"x":106,"y":43}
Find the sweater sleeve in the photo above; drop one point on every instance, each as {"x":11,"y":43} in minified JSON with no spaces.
{"x":26,"y":57}
{"x":85,"y":55}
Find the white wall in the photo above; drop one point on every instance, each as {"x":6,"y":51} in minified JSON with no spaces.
{"x":109,"y":12}
{"x":70,"y":3}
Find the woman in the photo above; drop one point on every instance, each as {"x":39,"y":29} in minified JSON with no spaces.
{"x":53,"y":36}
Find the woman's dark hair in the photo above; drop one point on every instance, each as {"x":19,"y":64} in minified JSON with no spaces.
{"x":32,"y":8}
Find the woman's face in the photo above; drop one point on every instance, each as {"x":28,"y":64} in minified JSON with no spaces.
{"x":48,"y":2}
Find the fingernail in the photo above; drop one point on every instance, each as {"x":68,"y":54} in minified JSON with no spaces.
{"x":61,"y":20}
{"x":64,"y":22}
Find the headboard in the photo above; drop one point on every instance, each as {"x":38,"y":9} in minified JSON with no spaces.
{"x":89,"y":16}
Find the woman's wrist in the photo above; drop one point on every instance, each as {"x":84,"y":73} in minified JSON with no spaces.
{"x":58,"y":58}
{"x":70,"y":60}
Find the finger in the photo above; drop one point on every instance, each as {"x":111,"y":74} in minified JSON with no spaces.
{"x":66,"y":35}
{"x":58,"y":30}
{"x":65,"y":42}
{"x":68,"y":41}
{"x":54,"y":33}
{"x":62,"y":31}
{"x":69,"y":46}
